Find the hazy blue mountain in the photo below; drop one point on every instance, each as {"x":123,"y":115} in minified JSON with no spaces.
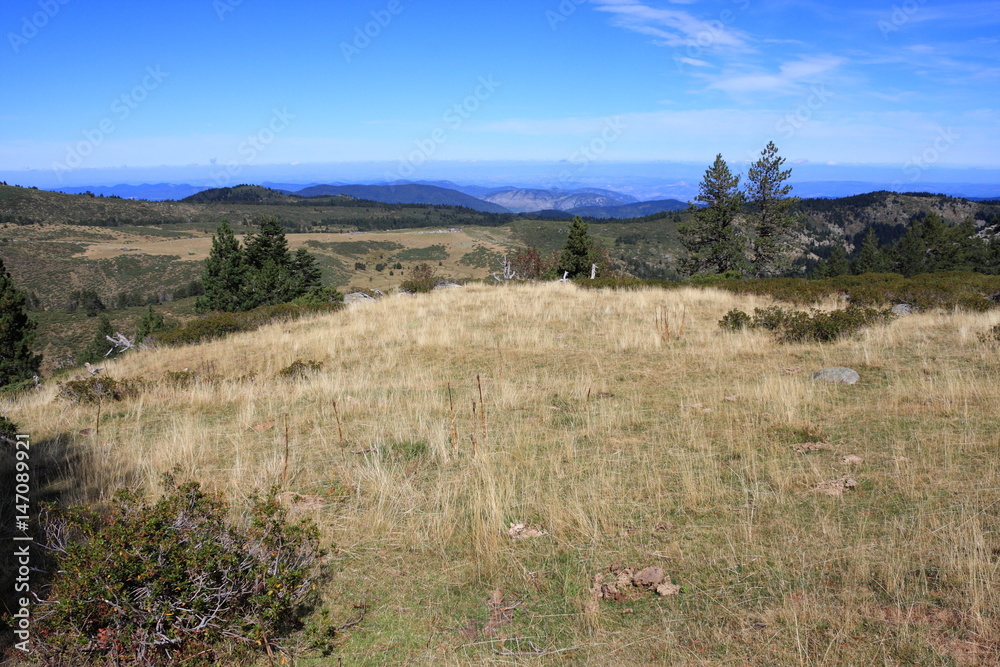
{"x":636,"y":210}
{"x":147,"y":191}
{"x":404,"y":194}
{"x":525,"y":200}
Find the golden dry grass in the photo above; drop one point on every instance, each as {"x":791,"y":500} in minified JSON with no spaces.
{"x":626,"y":444}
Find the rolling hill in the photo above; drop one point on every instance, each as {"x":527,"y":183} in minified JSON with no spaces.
{"x":404,"y":194}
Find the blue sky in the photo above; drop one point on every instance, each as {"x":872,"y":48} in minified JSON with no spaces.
{"x":217,"y":85}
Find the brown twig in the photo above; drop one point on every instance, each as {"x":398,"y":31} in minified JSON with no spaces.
{"x":454,"y":430}
{"x":482,"y":406}
{"x":351,"y":624}
{"x":340,"y":430}
{"x":475,"y":427}
{"x":284,"y":472}
{"x":97,"y":428}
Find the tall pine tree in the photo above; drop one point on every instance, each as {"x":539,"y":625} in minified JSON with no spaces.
{"x":713,"y":241}
{"x":769,"y":212}
{"x":225,"y":274}
{"x":17,"y":334}
{"x":579,"y":253}
{"x":870,"y":258}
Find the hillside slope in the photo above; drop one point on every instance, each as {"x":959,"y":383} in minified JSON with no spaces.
{"x":619,"y":446}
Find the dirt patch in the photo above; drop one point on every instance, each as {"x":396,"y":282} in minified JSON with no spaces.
{"x":836,"y":487}
{"x":621,"y":583}
{"x":522,"y":531}
{"x":805,"y":447}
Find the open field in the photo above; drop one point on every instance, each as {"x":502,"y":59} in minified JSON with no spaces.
{"x":626,"y":443}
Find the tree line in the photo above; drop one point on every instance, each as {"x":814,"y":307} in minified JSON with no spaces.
{"x":929,"y":245}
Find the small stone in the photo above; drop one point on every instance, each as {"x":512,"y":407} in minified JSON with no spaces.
{"x":837,"y":374}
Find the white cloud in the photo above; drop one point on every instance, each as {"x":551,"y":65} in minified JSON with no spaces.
{"x":672,"y":27}
{"x":789,"y":77}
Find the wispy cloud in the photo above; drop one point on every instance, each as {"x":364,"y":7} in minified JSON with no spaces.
{"x":787,"y":80}
{"x":672,"y":27}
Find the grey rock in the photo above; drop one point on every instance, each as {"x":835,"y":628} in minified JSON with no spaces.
{"x":838,"y":374}
{"x":902,"y":309}
{"x":357,"y":297}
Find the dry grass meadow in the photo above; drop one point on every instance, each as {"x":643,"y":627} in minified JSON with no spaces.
{"x":632,"y":432}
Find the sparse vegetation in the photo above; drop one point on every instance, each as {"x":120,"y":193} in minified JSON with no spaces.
{"x":175,"y":581}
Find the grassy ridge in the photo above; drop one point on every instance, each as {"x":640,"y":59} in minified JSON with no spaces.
{"x":626,"y":441}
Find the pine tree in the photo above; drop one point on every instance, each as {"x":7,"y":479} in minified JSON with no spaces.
{"x":267,"y":245}
{"x":578,"y":254}
{"x":307,"y":273}
{"x":100,"y":347}
{"x":870,"y":258}
{"x":769,"y":212}
{"x":224,"y":275}
{"x":909,"y":255}
{"x":151,"y":323}
{"x":17,"y":333}
{"x":837,"y":264}
{"x":713,"y":242}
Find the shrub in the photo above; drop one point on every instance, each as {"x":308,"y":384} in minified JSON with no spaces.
{"x":319,"y":297}
{"x":172,"y":582}
{"x":794,"y":326}
{"x":772,"y":318}
{"x":421,"y":279}
{"x":734,"y":320}
{"x":217,"y":325}
{"x":301,"y":369}
{"x":96,"y":389}
{"x":991,"y":336}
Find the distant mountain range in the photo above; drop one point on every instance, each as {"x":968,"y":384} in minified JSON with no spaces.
{"x":404,"y":193}
{"x":551,"y":202}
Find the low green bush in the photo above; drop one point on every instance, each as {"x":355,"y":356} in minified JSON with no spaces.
{"x":218,"y":325}
{"x":173,"y":581}
{"x":795,"y":326}
{"x":300,"y":369}
{"x":735,"y":320}
{"x":96,"y":389}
